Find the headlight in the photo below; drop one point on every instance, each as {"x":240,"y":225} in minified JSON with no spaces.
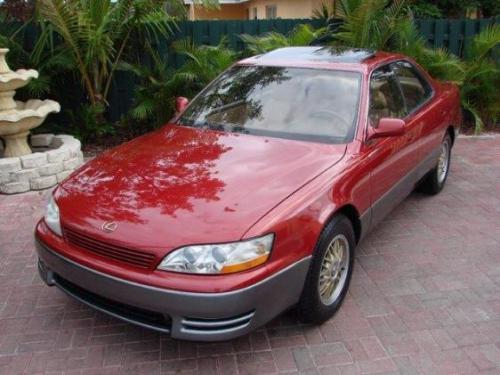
{"x":218,"y":259}
{"x":52,"y":217}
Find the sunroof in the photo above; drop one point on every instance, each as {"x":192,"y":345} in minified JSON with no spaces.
{"x":319,"y":54}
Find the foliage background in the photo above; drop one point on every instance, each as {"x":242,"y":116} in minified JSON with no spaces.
{"x":135,"y":86}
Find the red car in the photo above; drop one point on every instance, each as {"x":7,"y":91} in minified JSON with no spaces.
{"x":253,"y":199}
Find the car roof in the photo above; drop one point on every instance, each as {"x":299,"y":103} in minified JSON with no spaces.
{"x":322,"y":57}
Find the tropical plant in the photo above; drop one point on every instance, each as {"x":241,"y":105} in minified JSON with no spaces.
{"x":203,"y":64}
{"x":85,"y":123}
{"x":95,"y":35}
{"x":154,"y":92}
{"x":389,"y":25}
{"x":490,"y":8}
{"x":385,"y":25}
{"x":159,"y":84}
{"x":301,"y":35}
{"x":374,"y":24}
{"x":438,"y":62}
{"x":17,"y":10}
{"x":324,"y":13}
{"x":446,"y":8}
{"x":51,"y":68}
{"x":425,"y":9}
{"x":479,"y":89}
{"x":453,"y":8}
{"x":9,"y":39}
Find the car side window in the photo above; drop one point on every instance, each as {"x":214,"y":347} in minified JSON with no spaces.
{"x":385,"y":96}
{"x":415,"y":88}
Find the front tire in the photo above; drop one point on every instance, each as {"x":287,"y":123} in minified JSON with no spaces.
{"x":330,"y":272}
{"x":435,"y":180}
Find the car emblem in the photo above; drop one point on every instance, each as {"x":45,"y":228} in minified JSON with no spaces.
{"x":109,"y":226}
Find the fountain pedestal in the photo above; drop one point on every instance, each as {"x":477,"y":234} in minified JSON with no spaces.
{"x":7,"y":100}
{"x":16,"y":144}
{"x":55,"y":156}
{"x":17,"y":118}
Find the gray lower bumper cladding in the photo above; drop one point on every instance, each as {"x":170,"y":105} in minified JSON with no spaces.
{"x":183,"y":315}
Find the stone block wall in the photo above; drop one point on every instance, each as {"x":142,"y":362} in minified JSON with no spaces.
{"x":53,"y":159}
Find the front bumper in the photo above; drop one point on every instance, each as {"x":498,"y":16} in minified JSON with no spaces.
{"x":184,"y":315}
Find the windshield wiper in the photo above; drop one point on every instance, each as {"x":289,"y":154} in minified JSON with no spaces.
{"x":226,"y":106}
{"x":228,"y":127}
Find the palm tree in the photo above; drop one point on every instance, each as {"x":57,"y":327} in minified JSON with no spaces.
{"x":440,"y":63}
{"x":95,"y":35}
{"x":371,"y":24}
{"x":388,"y":25}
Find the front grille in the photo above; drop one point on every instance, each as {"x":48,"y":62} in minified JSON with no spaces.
{"x":224,"y":325}
{"x":123,"y":254}
{"x":120,"y":310}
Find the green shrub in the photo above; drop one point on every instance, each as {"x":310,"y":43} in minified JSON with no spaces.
{"x":159,"y":85}
{"x":480,"y":87}
{"x":301,"y":35}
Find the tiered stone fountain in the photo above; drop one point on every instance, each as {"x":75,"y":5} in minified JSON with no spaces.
{"x":54,"y":156}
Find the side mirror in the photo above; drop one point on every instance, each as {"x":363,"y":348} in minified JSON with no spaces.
{"x":180,"y":104}
{"x":387,"y":127}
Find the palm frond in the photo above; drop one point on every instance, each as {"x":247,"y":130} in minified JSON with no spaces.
{"x":301,"y":35}
{"x":144,"y":109}
{"x":347,"y":7}
{"x":478,"y":122}
{"x":442,"y":65}
{"x":38,"y":87}
{"x":484,"y":43}
{"x":324,"y":13}
{"x":97,"y":33}
{"x":372,"y":24}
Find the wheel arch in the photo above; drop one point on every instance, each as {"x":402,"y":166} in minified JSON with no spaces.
{"x":352,"y":213}
{"x":451,"y":131}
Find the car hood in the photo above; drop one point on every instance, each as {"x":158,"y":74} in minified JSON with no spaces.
{"x":181,"y":185}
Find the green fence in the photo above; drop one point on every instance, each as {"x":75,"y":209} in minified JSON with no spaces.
{"x":449,"y":33}
{"x":200,"y":32}
{"x":212,"y":32}
{"x":454,"y":35}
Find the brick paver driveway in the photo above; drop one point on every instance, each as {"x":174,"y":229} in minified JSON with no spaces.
{"x":425,"y":298}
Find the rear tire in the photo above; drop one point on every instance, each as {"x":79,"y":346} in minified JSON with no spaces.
{"x":435,"y":180}
{"x":330,"y":272}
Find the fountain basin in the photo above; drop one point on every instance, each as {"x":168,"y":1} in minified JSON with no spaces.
{"x":16,"y":123}
{"x":13,"y":80}
{"x":53,"y":157}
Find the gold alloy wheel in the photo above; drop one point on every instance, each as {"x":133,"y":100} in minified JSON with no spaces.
{"x":334,"y":270}
{"x":443,"y":162}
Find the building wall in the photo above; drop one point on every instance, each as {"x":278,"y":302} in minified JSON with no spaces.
{"x":226,"y":12}
{"x":285,"y":9}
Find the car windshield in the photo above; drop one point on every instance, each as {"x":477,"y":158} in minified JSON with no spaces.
{"x":293,"y":103}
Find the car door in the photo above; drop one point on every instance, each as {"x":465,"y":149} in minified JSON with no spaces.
{"x":392,"y":159}
{"x":421,"y":115}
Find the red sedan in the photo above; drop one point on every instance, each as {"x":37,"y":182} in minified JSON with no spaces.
{"x":253,"y":199}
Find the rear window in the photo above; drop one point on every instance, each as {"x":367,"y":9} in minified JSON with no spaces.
{"x":385,"y":96}
{"x":416,"y":90}
{"x":293,"y":103}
